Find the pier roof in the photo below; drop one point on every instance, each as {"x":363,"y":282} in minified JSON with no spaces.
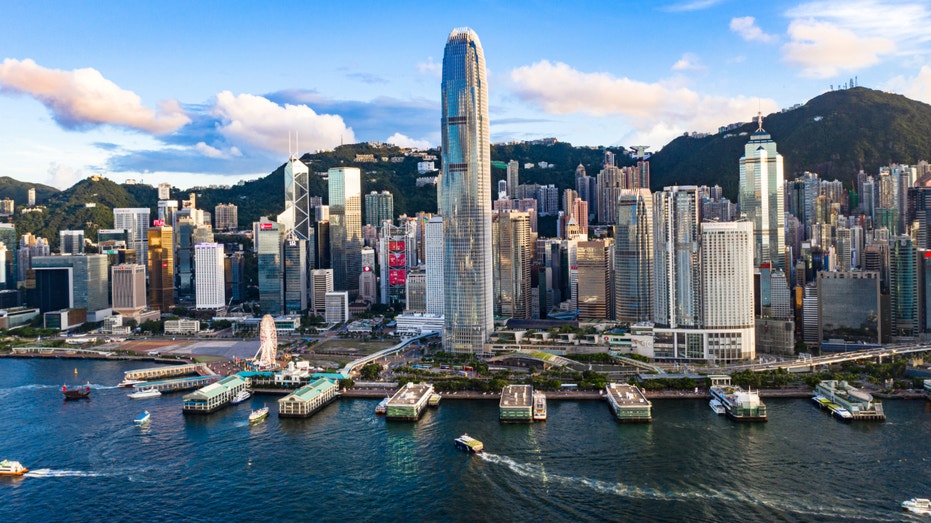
{"x":410,"y":394}
{"x":516,"y":396}
{"x":624,"y":394}
{"x":313,"y":389}
{"x":216,"y":388}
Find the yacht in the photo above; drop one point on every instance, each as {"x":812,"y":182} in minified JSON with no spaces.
{"x":717,"y":407}
{"x":917,"y":505}
{"x":240,"y":397}
{"x":145,"y":394}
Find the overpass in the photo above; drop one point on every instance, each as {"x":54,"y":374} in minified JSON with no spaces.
{"x":807,"y":364}
{"x":352,"y":365}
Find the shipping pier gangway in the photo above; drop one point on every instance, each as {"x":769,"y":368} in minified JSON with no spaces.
{"x":167,"y":371}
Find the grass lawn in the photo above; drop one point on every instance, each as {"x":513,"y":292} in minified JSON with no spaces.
{"x":205,"y":359}
{"x":359,"y":347}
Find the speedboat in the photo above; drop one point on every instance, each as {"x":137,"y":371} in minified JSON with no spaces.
{"x":716,"y":406}
{"x":258,"y":415}
{"x":469,"y":444}
{"x":240,"y":397}
{"x":917,"y":505}
{"x":142,"y":419}
{"x":12,"y":468}
{"x":130,"y":383}
{"x":145,"y":394}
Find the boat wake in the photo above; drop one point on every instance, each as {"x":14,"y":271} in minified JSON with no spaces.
{"x":535,"y":471}
{"x":50,"y":473}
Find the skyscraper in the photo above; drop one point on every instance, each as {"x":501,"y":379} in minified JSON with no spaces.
{"x":761,"y":197}
{"x":379,"y":206}
{"x":433,"y":248}
{"x":161,"y":248}
{"x":345,"y":188}
{"x":512,"y":252}
{"x":226,"y":217}
{"x":268,"y":239}
{"x":465,"y":186}
{"x":633,"y":256}
{"x":210,"y":286}
{"x":136,"y":221}
{"x":676,"y":258}
{"x":296,"y":197}
{"x":71,"y":242}
{"x":512,"y":181}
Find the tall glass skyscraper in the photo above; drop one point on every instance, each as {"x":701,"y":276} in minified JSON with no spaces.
{"x":345,"y":189}
{"x":465,"y":196}
{"x":761,"y":197}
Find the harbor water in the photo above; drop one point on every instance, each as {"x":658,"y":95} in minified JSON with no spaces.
{"x":88,"y":462}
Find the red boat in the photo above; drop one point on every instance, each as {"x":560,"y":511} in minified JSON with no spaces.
{"x":77,"y":393}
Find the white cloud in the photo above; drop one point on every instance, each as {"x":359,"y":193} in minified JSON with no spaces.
{"x":917,"y":88}
{"x":746,"y":27}
{"x":247,"y":119}
{"x":658,"y":111}
{"x":406,"y":141}
{"x":63,"y":176}
{"x":834,"y":36}
{"x":688,"y":62}
{"x":84,"y":97}
{"x":208,"y":151}
{"x":694,"y":5}
{"x":430,"y":68}
{"x":823,"y":49}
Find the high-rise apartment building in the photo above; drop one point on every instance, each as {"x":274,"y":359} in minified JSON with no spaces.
{"x":633,"y":257}
{"x":31,"y":197}
{"x":161,"y":249}
{"x":379,"y":206}
{"x":345,"y":190}
{"x":210,"y":286}
{"x":226,"y":217}
{"x":164,"y":191}
{"x":465,"y":188}
{"x":761,"y":195}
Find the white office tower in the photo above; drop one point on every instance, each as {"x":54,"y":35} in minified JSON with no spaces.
{"x":321,"y":282}
{"x":136,"y":221}
{"x":434,"y":265}
{"x":464,"y":196}
{"x":676,"y":258}
{"x":633,"y":256}
{"x":127,"y":283}
{"x":209,"y":278}
{"x":727,"y":290}
{"x":761,"y":195}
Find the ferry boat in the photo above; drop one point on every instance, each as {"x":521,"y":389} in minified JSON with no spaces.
{"x":142,"y":419}
{"x":129,"y":383}
{"x":240,"y":397}
{"x":12,"y":468}
{"x":740,"y":405}
{"x":836,"y":410}
{"x":917,"y":505}
{"x":382,"y":408}
{"x":77,"y":393}
{"x":539,"y":406}
{"x":469,"y":444}
{"x":716,"y":406}
{"x":434,"y":400}
{"x":258,"y":415}
{"x":145,"y":394}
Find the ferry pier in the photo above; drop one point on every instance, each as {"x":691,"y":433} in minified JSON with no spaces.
{"x":516,"y":404}
{"x":215,"y":396}
{"x":628,"y":403}
{"x":307,"y":400}
{"x":409,"y":402}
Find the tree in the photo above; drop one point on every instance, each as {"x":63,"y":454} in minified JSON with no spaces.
{"x":370,"y":371}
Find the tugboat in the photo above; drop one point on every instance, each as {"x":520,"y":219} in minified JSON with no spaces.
{"x":12,"y":468}
{"x":77,"y":393}
{"x":469,"y":444}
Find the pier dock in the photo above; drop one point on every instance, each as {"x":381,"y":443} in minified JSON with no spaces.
{"x":409,"y":402}
{"x":307,"y":400}
{"x":516,"y":405}
{"x":188,"y":383}
{"x":215,"y":396}
{"x":860,"y":404}
{"x":629,"y":404}
{"x":167,"y":371}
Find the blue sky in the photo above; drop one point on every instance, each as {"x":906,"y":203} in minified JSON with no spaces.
{"x":195,"y":93}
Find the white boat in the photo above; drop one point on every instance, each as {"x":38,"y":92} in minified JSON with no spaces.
{"x":469,"y":444}
{"x":382,"y":408}
{"x":240,"y":397}
{"x":539,"y":406}
{"x":917,"y":505}
{"x":142,"y":419}
{"x":145,"y":394}
{"x":12,"y":468}
{"x":130,"y":383}
{"x":716,"y":406}
{"x":258,"y":415}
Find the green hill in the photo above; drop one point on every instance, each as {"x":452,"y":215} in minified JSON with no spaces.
{"x":835,"y":135}
{"x":18,"y":191}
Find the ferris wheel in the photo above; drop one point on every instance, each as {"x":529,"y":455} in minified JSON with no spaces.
{"x":268,"y":342}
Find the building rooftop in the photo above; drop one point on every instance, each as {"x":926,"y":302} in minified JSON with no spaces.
{"x":313,"y":389}
{"x":624,"y":394}
{"x":214,"y":389}
{"x":410,"y":394}
{"x":517,"y":396}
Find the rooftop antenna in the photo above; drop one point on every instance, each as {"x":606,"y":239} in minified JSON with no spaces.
{"x":759,"y":119}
